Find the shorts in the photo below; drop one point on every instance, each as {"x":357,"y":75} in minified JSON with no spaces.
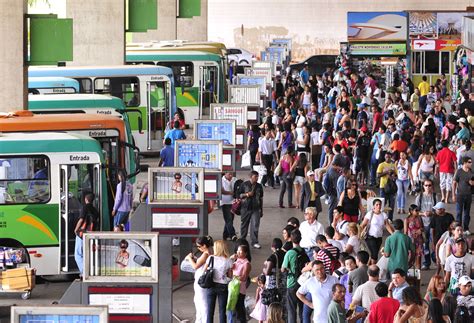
{"x":298,"y":180}
{"x":445,"y":181}
{"x":351,"y":218}
{"x":120,"y":218}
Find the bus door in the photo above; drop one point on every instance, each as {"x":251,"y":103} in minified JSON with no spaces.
{"x":158,"y":111}
{"x":208,"y":88}
{"x":77,"y":180}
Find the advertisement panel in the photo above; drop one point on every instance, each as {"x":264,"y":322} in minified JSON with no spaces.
{"x":379,"y":49}
{"x":423,"y":24}
{"x":435,"y":44}
{"x":450,"y":24}
{"x":253,"y":80}
{"x":59,"y":314}
{"x":215,"y":130}
{"x":230,"y":111}
{"x":376,"y":26}
{"x":205,"y":154}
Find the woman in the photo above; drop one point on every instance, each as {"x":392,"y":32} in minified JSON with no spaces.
{"x":376,"y":220}
{"x":414,"y":310}
{"x":413,"y":227}
{"x":303,"y":141}
{"x":286,"y":140}
{"x":426,"y":164}
{"x":286,"y":234}
{"x":222,"y":273}
{"x":286,"y":182}
{"x":123,"y":201}
{"x":328,"y":157}
{"x":252,"y":143}
{"x":440,"y":248}
{"x":436,"y":289}
{"x":430,"y":132}
{"x":301,"y":119}
{"x":351,"y":201}
{"x":275,"y":313}
{"x":300,"y":166}
{"x":352,"y":246}
{"x":241,"y":269}
{"x":306,"y":98}
{"x":435,"y":312}
{"x":287,"y":118}
{"x":275,"y":279}
{"x":404,"y":177}
{"x":450,"y":242}
{"x":203,"y":244}
{"x":180,"y":119}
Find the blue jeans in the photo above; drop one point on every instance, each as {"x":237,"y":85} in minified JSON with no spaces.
{"x":463,"y":206}
{"x":120,"y":218}
{"x":332,"y":205}
{"x":402,"y":192}
{"x":219,"y":293}
{"x":286,"y":183}
{"x":229,"y":230}
{"x":390,"y":201}
{"x":428,"y":255}
{"x":240,"y":311}
{"x":307,"y":311}
{"x":78,"y":254}
{"x":294,"y":305}
{"x":374,"y":162}
{"x":321,"y":161}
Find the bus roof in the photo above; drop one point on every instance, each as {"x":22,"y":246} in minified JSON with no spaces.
{"x":177,"y":47}
{"x":166,"y":55}
{"x":93,"y":71}
{"x":47,"y":142}
{"x":27,"y":122}
{"x":52,"y":81}
{"x":72,"y":101}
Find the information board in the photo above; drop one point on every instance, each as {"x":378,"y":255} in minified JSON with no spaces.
{"x":215,"y":130}
{"x":194,"y":153}
{"x":253,"y":80}
{"x":59,"y":314}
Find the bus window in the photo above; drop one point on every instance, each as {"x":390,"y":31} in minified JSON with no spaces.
{"x":125,"y":88}
{"x":85,"y":85}
{"x":24,"y":180}
{"x":183,"y":73}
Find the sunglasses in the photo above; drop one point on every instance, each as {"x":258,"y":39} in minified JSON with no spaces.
{"x":428,"y":185}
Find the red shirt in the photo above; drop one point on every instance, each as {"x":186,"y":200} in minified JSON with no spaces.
{"x":383,"y":310}
{"x":399,"y":145}
{"x":446,"y":159}
{"x":377,"y":121}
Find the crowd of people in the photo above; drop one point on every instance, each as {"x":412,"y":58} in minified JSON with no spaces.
{"x":345,"y":142}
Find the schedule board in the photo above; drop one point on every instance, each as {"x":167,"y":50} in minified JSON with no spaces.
{"x":198,"y":153}
{"x":216,"y":130}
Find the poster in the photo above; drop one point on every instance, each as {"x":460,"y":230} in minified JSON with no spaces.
{"x":197,"y":154}
{"x":253,"y":80}
{"x":379,"y":49}
{"x":212,"y":130}
{"x":175,"y":185}
{"x":376,"y":26}
{"x":450,"y":24}
{"x":237,"y":112}
{"x":56,"y":318}
{"x":423,"y":24}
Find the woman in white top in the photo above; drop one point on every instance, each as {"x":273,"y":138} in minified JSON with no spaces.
{"x":404,"y":177}
{"x":203,"y":244}
{"x":426,"y":163}
{"x":222,"y":265}
{"x":376,"y":220}
{"x":305,"y":98}
{"x":301,"y":118}
{"x":353,"y":244}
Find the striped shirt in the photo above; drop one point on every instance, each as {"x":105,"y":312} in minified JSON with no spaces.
{"x":324,"y":257}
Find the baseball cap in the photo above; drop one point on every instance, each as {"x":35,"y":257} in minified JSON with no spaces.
{"x":364,"y":129}
{"x":460,"y":239}
{"x":464,"y":280}
{"x":439,"y":205}
{"x":362,"y":105}
{"x":463,"y":120}
{"x":309,"y":173}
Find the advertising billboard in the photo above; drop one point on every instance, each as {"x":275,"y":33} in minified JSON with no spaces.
{"x":215,"y":130}
{"x":376,"y":26}
{"x":205,"y":154}
{"x":378,"y":49}
{"x":175,"y":185}
{"x":423,"y":24}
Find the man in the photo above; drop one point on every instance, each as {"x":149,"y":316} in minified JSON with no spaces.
{"x":251,"y":194}
{"x":267,"y":149}
{"x":228,"y":182}
{"x":336,"y":310}
{"x":462,"y":193}
{"x":383,"y":310}
{"x":310,"y":228}
{"x":399,"y":248}
{"x":167,"y":154}
{"x":424,"y":88}
{"x":397,"y":285}
{"x":290,"y":264}
{"x":425,"y":202}
{"x":311,"y":193}
{"x":329,"y":233}
{"x":342,"y":180}
{"x":327,"y":254}
{"x":320,"y":288}
{"x":330,"y":186}
{"x":415,"y":101}
{"x":465,"y":298}
{"x":445,"y":165}
{"x":360,"y":275}
{"x":362,"y":152}
{"x":304,"y":75}
{"x":88,"y":221}
{"x":458,"y":264}
{"x":174,"y":134}
{"x":384,"y":170}
{"x":365,"y":294}
{"x":440,"y":222}
{"x":377,"y":141}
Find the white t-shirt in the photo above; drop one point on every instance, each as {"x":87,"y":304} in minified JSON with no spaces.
{"x":227,"y":186}
{"x":377,"y":224}
{"x":221,"y":267}
{"x":321,"y":294}
{"x":309,"y":233}
{"x":355,"y":243}
{"x":365,"y":294}
{"x":336,"y":244}
{"x":460,"y":266}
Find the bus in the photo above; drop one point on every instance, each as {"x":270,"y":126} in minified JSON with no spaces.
{"x":44,"y":178}
{"x":148,"y":90}
{"x":52,"y":85}
{"x":109,"y":131}
{"x":199,"y":78}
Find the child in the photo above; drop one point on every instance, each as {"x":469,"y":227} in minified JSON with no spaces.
{"x":260,"y":311}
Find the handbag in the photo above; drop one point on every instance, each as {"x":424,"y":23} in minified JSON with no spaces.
{"x":236,"y":206}
{"x":207,"y":278}
{"x":186,"y":267}
{"x":365,"y":231}
{"x":246,"y":159}
{"x":278,"y":170}
{"x":271,"y":296}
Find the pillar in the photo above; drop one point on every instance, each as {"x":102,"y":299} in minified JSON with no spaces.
{"x":166,"y":24}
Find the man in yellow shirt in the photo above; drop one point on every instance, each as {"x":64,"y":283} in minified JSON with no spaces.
{"x":385,"y":171}
{"x":424,"y":88}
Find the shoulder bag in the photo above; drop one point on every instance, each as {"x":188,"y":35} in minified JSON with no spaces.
{"x":207,"y":278}
{"x":272,"y":295}
{"x":365,"y":231}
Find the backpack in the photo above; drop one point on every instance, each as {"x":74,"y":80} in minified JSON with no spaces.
{"x":90,"y":222}
{"x":335,"y":264}
{"x":236,"y":189}
{"x":301,"y":260}
{"x":390,"y":187}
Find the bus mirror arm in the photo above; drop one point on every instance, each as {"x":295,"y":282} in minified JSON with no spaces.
{"x":136,"y":156}
{"x":140,"y":118}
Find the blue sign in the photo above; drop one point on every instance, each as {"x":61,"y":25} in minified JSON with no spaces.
{"x":252,"y":80}
{"x":35,"y":318}
{"x":216,"y":131}
{"x":207,"y":156}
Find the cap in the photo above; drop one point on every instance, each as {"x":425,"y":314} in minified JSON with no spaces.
{"x":362,"y":105}
{"x":464,"y":280}
{"x":460,"y":239}
{"x":309,"y":173}
{"x":463,"y":120}
{"x":439,"y":205}
{"x":364,"y":129}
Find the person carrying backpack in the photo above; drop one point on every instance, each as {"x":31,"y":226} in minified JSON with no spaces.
{"x":327,"y":254}
{"x":87,"y":222}
{"x":293,"y":263}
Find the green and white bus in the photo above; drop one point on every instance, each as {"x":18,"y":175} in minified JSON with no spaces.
{"x":43,"y":180}
{"x":148,"y":90}
{"x":199,"y":77}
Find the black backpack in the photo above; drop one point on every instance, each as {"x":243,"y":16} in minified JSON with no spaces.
{"x":301,"y":260}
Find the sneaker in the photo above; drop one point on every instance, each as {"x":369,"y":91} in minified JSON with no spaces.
{"x":467,"y":233}
{"x":234,"y":238}
{"x":257,"y":246}
{"x":425,"y":267}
